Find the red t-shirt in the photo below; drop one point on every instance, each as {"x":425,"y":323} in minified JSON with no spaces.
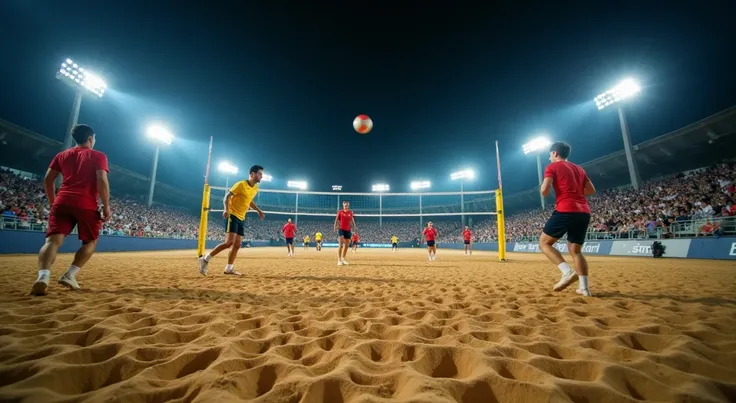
{"x":289,"y":230}
{"x":78,"y":167}
{"x":345,"y":218}
{"x":356,"y":238}
{"x":568,"y":180}
{"x":430,"y":233}
{"x":467,"y":235}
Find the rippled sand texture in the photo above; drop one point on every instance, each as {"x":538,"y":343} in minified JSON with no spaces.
{"x":389,"y":327}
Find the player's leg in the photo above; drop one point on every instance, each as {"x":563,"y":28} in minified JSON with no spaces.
{"x":340,"y":240}
{"x":577,"y":229}
{"x":89,"y":224}
{"x":230,"y":231}
{"x":233,"y":253}
{"x":470,"y":248}
{"x":347,"y":235}
{"x":554,"y":229}
{"x":61,"y":224}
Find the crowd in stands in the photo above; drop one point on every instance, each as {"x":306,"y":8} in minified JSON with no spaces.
{"x":659,"y":207}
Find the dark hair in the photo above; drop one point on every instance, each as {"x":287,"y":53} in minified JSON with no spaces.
{"x":81,"y":133}
{"x":255,"y":168}
{"x":561,"y":148}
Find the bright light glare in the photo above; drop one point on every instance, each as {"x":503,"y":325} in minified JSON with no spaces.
{"x":625,"y":89}
{"x":301,"y":185}
{"x":464,"y":174}
{"x":539,"y":143}
{"x":381,"y":187}
{"x":160,"y":134}
{"x":75,"y":75}
{"x":420,"y":185}
{"x":228,"y":168}
{"x":266,"y":178}
{"x":337,"y":188}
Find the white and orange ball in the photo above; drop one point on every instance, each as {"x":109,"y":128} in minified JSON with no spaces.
{"x":363,"y":124}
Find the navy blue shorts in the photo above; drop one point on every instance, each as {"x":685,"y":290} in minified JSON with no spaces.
{"x":466,"y":242}
{"x":575,"y":225}
{"x":345,"y":233}
{"x":430,"y":243}
{"x":235,"y":225}
{"x":289,"y":241}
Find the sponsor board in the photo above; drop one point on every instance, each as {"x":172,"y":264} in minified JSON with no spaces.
{"x":674,"y":247}
{"x":362,"y":245}
{"x":711,"y":248}
{"x":591,"y":248}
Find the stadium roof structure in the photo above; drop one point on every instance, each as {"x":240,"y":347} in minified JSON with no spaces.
{"x":703,"y":143}
{"x":26,"y":150}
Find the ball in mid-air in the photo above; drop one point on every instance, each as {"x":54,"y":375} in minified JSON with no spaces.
{"x":363,"y":124}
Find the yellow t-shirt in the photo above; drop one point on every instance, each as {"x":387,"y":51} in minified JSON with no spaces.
{"x":243,"y":195}
{"x":318,"y":236}
{"x":394,"y":239}
{"x":306,"y":239}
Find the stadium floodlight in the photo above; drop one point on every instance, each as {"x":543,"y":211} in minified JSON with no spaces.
{"x":228,"y":168}
{"x":461,"y":175}
{"x":416,"y":185}
{"x":381,"y":187}
{"x":624,"y":90}
{"x":301,"y":185}
{"x":535,"y":146}
{"x":266,"y":178}
{"x":337,"y":188}
{"x":161,"y":135}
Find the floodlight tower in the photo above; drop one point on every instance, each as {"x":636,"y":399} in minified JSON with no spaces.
{"x":462,"y":176}
{"x":420,"y":185}
{"x":536,"y":146}
{"x":624,"y":90}
{"x":160,"y":135}
{"x":298,"y":185}
{"x":228,"y":169}
{"x":380,"y":188}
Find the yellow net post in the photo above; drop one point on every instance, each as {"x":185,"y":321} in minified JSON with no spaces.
{"x":501,"y":226}
{"x":202,"y":238}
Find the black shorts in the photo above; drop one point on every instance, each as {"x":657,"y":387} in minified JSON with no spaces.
{"x":289,"y":241}
{"x":394,"y":244}
{"x":319,"y":242}
{"x":430,"y":243}
{"x":345,"y":233}
{"x":575,"y":225}
{"x":235,"y":225}
{"x":466,"y":242}
{"x":353,"y":243}
{"x":306,"y":243}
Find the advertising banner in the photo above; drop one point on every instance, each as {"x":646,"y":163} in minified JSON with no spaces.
{"x":710,"y":248}
{"x":675,"y":247}
{"x":590,"y":248}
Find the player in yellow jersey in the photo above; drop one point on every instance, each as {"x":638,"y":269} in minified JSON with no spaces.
{"x":394,"y":243}
{"x":237,"y":202}
{"x":318,"y":240}
{"x":306,"y":242}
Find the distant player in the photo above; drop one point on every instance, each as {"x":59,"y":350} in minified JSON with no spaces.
{"x":84,"y":176}
{"x":430,"y":234}
{"x":343,"y":222}
{"x":237,"y":202}
{"x":355,"y":241}
{"x":289,"y":230}
{"x":306,"y":242}
{"x":571,"y":216}
{"x":394,"y":243}
{"x":318,"y":240}
{"x":468,"y":240}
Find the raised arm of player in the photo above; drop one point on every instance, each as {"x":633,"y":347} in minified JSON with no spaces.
{"x":546,"y":186}
{"x":588,"y":189}
{"x":255,"y":207}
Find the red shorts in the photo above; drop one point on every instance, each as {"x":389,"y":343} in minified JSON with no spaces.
{"x":63,"y":219}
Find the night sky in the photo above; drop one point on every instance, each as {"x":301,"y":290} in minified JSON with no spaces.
{"x":278,"y":83}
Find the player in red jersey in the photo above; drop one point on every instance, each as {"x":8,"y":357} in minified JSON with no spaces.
{"x":84,"y":173}
{"x":289,"y":230}
{"x":355,"y":241}
{"x":430,"y":233}
{"x":468,"y":240}
{"x":343,"y":222}
{"x":571,"y":216}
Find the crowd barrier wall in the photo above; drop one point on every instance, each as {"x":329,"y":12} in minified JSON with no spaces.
{"x":698,"y":248}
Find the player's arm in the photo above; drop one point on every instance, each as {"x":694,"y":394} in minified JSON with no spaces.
{"x":48,"y":185}
{"x":226,"y":201}
{"x":255,"y":207}
{"x":337,"y":217}
{"x":546,"y":186}
{"x":354,"y":225}
{"x":588,"y":189}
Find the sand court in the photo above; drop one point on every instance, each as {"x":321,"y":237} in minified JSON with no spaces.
{"x":391,"y":327}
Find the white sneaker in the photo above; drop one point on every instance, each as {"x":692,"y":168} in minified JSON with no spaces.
{"x":568,"y":278}
{"x":203,"y":266}
{"x":40,"y":286}
{"x":585,"y":293}
{"x":344,"y":262}
{"x":339,"y":263}
{"x":232,"y":272}
{"x":69,"y":281}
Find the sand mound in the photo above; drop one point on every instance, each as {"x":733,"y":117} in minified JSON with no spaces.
{"x":389,"y":327}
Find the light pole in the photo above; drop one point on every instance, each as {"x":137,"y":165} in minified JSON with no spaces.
{"x":228,"y":169}
{"x":81,"y":81}
{"x":298,"y":185}
{"x":624,"y":90}
{"x":465,"y":174}
{"x":160,"y":135}
{"x":380,"y":188}
{"x":419,"y":185}
{"x":536,"y":146}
